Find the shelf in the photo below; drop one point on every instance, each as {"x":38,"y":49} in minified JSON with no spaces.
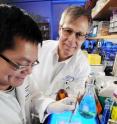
{"x":45,"y":30}
{"x":113,"y":36}
{"x":105,"y":12}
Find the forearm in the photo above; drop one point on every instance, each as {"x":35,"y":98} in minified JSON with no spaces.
{"x":40,"y":107}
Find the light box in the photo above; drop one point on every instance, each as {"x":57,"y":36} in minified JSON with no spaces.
{"x":64,"y":118}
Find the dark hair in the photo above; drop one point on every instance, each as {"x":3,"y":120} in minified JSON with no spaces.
{"x":15,"y":23}
{"x":74,"y":12}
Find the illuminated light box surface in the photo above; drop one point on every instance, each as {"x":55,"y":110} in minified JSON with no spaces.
{"x":63,"y":118}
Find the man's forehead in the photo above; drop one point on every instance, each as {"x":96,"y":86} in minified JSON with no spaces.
{"x":23,"y":51}
{"x":77,"y":25}
{"x":72,"y":19}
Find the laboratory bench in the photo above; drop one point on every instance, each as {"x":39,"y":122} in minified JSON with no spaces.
{"x":105,"y":86}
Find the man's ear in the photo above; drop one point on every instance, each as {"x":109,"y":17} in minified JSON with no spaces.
{"x":60,"y":26}
{"x":59,"y":29}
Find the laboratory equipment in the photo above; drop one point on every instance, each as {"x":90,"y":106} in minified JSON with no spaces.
{"x":107,"y":111}
{"x":87,"y":107}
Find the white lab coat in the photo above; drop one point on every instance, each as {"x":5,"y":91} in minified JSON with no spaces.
{"x":12,"y":110}
{"x":18,"y":111}
{"x":52,"y":75}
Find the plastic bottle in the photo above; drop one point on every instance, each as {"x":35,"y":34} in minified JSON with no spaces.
{"x":87,"y":107}
{"x":107,"y":111}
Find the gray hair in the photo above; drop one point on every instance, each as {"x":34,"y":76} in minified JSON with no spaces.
{"x":74,"y":12}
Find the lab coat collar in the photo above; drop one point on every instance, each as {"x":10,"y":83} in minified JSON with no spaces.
{"x":20,"y":92}
{"x":56,"y":56}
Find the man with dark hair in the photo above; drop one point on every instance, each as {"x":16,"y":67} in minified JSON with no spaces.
{"x":19,"y":41}
{"x":62,"y":63}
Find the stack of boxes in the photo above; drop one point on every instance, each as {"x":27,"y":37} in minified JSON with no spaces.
{"x":113,"y":22}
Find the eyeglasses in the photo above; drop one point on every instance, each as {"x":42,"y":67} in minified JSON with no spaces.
{"x":18,"y":66}
{"x":69,"y":31}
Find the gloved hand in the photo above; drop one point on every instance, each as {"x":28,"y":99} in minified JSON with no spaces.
{"x":66,"y":104}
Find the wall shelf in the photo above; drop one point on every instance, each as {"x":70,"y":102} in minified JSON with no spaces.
{"x":113,"y":36}
{"x":105,"y":12}
{"x":45,"y":30}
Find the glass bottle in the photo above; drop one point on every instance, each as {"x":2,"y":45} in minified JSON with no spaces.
{"x":61,"y":94}
{"x":87,"y":106}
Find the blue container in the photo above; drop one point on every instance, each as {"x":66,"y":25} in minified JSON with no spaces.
{"x":107,"y":111}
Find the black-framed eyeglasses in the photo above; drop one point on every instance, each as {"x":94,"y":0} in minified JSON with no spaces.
{"x":69,"y":31}
{"x":18,"y":66}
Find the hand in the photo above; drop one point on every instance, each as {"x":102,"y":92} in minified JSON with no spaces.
{"x":66,"y":104}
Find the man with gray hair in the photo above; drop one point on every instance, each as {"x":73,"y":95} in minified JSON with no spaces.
{"x":62,"y":63}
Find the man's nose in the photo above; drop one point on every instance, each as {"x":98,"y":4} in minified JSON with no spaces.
{"x":72,"y":39}
{"x":27,"y":70}
{"x":73,"y":36}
